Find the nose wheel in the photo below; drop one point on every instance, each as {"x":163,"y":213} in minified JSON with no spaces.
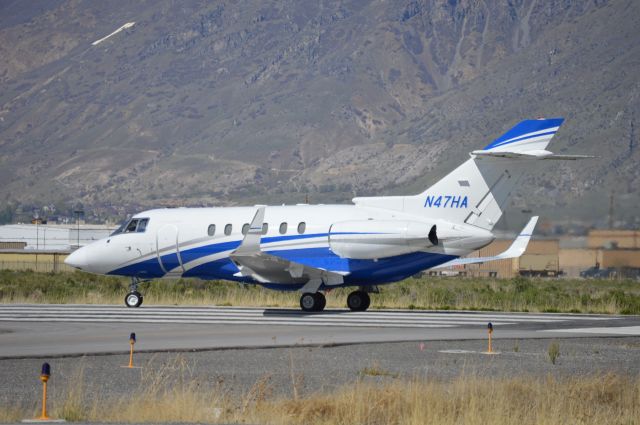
{"x":133,"y":298}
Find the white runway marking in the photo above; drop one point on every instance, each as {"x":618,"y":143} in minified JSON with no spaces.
{"x":614,"y":330}
{"x":282,"y":317}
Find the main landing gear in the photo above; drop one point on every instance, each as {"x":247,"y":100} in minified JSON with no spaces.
{"x":313,"y":302}
{"x":133,"y":298}
{"x":356,"y":301}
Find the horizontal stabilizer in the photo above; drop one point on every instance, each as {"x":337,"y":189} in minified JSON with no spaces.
{"x":526,"y":136}
{"x":517,"y":248}
{"x":532,"y":154}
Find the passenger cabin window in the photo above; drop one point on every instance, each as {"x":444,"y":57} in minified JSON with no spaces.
{"x":302,"y":227}
{"x":265,"y":228}
{"x":227,"y":229}
{"x":211,"y":230}
{"x":245,"y":228}
{"x":283,"y":228}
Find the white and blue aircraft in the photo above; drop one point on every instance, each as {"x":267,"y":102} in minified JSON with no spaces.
{"x":315,"y":248}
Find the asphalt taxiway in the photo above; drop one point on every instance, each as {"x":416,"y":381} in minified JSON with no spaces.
{"x":289,"y":352}
{"x":36,"y":330}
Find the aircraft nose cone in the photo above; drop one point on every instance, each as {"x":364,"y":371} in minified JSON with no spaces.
{"x":77,"y":259}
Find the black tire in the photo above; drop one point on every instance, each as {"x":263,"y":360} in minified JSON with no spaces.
{"x":308,"y":302}
{"x":358,"y":301}
{"x":133,"y":299}
{"x":322,"y":301}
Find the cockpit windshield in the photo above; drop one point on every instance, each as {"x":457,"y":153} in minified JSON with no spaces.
{"x":135,"y":225}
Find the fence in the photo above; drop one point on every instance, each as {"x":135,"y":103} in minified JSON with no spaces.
{"x":46,"y":262}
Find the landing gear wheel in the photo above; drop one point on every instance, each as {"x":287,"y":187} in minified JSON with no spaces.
{"x":133,"y":299}
{"x":312,"y":302}
{"x":358,"y":301}
{"x":308,"y":302}
{"x":321,"y":300}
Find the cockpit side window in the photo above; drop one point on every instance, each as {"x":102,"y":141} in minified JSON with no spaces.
{"x":120,"y":229}
{"x":131,"y":227}
{"x":135,"y":225}
{"x":142,"y":225}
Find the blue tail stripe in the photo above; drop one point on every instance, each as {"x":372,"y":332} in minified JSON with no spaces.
{"x":524,"y":128}
{"x":508,"y":142}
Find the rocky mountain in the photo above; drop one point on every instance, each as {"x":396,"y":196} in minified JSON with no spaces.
{"x":219,"y":103}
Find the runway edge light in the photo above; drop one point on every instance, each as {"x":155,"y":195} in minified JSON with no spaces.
{"x":132,"y":342}
{"x":45,"y":374}
{"x":490,"y":332}
{"x":44,"y":377}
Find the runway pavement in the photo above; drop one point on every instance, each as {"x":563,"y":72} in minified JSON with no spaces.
{"x":49,"y":330}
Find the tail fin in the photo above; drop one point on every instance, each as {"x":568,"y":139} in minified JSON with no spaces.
{"x":476,"y":192}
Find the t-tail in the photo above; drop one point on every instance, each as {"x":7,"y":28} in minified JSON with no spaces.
{"x":476,"y":192}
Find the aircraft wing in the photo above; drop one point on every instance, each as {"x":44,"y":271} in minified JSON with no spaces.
{"x":516,"y":249}
{"x":267,"y":268}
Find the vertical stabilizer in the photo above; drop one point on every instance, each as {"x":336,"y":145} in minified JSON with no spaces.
{"x":477,"y":191}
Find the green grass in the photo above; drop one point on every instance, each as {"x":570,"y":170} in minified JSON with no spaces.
{"x":483,"y":294}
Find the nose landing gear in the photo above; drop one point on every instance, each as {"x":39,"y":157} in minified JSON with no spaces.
{"x":133,"y":298}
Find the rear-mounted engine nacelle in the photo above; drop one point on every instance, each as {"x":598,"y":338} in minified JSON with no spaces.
{"x":371,"y":239}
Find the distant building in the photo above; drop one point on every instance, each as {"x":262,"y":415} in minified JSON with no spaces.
{"x":50,"y":237}
{"x":614,"y":239}
{"x":606,"y":249}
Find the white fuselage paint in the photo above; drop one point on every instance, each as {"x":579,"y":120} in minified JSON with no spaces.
{"x":187,"y":230}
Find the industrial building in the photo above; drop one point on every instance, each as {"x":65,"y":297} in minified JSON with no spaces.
{"x":43,"y":247}
{"x":606,"y":249}
{"x":63,"y":237}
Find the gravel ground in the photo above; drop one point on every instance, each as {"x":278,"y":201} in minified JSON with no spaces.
{"x":317,"y":368}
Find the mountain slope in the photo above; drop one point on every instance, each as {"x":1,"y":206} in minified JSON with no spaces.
{"x":253,"y":101}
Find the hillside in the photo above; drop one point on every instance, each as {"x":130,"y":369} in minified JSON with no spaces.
{"x":211,"y":103}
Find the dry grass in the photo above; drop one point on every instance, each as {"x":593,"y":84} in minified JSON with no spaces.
{"x":519,"y":294}
{"x":164,"y":396}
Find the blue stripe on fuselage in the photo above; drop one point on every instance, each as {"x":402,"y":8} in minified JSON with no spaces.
{"x":361,"y":271}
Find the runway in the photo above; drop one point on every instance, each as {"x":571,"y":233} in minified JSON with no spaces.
{"x":38,"y":330}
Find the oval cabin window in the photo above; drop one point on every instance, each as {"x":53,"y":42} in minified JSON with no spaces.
{"x":211,"y":230}
{"x":302,"y":227}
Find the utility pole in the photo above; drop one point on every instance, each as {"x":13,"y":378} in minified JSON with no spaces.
{"x":631,"y":137}
{"x":611,"y":210}
{"x":37,"y":219}
{"x":78,"y":213}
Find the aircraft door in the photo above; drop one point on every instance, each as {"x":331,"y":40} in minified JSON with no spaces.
{"x":167,"y":250}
